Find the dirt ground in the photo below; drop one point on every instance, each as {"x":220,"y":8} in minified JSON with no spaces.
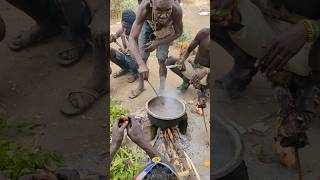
{"x":257,"y":105}
{"x":198,"y":151}
{"x":32,"y":87}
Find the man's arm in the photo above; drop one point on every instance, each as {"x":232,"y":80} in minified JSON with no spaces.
{"x":195,"y":42}
{"x":177,"y":24}
{"x":134,"y":34}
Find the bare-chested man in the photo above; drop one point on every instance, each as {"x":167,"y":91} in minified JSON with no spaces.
{"x":193,"y":71}
{"x":123,"y":57}
{"x":80,"y":21}
{"x":159,"y":22}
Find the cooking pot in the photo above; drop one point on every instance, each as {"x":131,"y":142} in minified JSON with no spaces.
{"x":165,"y":112}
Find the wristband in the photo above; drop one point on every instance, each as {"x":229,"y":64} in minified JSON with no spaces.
{"x":311,"y":30}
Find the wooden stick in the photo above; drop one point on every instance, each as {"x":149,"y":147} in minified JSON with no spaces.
{"x":154,"y":90}
{"x":296,"y":151}
{"x":192,"y":165}
{"x":204,"y":121}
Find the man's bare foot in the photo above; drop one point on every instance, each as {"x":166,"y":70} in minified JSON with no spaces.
{"x":183,"y":87}
{"x":135,"y":93}
{"x":132,"y":78}
{"x":119,"y":73}
{"x":27,"y":38}
{"x":80,"y":100}
{"x":74,"y":53}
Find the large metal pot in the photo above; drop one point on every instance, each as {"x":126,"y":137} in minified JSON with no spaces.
{"x":228,"y":152}
{"x":164,"y":120}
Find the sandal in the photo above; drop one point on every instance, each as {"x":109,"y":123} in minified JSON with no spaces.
{"x":79,"y":101}
{"x":27,"y":38}
{"x":135,"y":93}
{"x":132,"y":78}
{"x":73,"y":54}
{"x":183,"y":87}
{"x":119,"y":73}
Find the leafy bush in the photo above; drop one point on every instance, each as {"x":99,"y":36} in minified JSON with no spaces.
{"x":117,"y":6}
{"x":16,"y":159}
{"x":184,"y":38}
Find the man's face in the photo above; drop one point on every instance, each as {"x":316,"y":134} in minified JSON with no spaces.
{"x":162,"y":10}
{"x":126,"y":28}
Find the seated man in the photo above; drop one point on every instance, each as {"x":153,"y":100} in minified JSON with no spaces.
{"x":193,"y":71}
{"x":123,"y":58}
{"x":158,"y":23}
{"x":156,"y":170}
{"x":81,"y":21}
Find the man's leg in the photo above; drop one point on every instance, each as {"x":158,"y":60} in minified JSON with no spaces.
{"x":185,"y":84}
{"x":77,"y":18}
{"x":119,"y":59}
{"x":236,"y":80}
{"x":143,"y":40}
{"x":46,"y":15}
{"x":82,"y":99}
{"x":162,"y":55}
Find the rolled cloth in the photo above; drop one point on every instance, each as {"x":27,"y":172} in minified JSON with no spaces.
{"x":128,"y":16}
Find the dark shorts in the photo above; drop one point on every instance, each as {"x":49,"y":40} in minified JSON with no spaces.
{"x":126,"y":62}
{"x":144,"y":38}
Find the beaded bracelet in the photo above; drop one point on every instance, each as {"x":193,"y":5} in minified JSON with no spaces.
{"x":311,"y":33}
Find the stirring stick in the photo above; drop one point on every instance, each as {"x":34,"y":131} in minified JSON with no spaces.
{"x":204,"y":121}
{"x":155,"y":92}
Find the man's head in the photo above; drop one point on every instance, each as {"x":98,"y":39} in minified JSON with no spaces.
{"x":128,"y":18}
{"x":160,"y":173}
{"x":162,"y":10}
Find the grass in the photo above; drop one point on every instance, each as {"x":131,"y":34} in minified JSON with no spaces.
{"x":126,"y":162}
{"x":184,"y":38}
{"x":118,"y":6}
{"x":18,"y":158}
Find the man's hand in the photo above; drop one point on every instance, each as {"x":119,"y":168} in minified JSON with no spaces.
{"x":282,"y":49}
{"x":201,"y":99}
{"x":118,"y":131}
{"x":113,"y":38}
{"x":135,"y":131}
{"x":151,"y":46}
{"x":144,"y":71}
{"x":195,"y":80}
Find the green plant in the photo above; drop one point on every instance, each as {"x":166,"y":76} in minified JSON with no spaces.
{"x":17,"y":159}
{"x":127,"y":162}
{"x":184,"y":38}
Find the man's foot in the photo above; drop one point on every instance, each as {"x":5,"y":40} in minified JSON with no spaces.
{"x":79,"y":101}
{"x":135,"y":93}
{"x":27,"y":38}
{"x":73,"y":54}
{"x":119,"y":73}
{"x":183,"y":87}
{"x":132,"y":78}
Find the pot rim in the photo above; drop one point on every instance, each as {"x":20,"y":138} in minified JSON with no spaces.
{"x":166,"y":117}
